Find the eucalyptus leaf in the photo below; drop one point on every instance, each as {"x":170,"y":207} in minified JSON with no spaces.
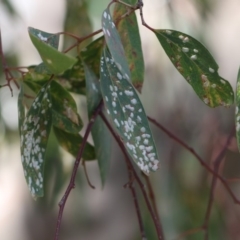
{"x":127,"y":115}
{"x":34,"y":137}
{"x":55,"y":61}
{"x":197,"y":66}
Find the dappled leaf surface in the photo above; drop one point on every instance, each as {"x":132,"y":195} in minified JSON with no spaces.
{"x":64,"y":109}
{"x":55,"y":61}
{"x":130,"y":37}
{"x":127,"y":114}
{"x":197,"y":66}
{"x":34,"y":137}
{"x":71,"y":142}
{"x":100,"y":133}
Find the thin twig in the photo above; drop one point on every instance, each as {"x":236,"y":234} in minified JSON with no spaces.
{"x":5,"y":67}
{"x":152,"y":197}
{"x":80,"y":40}
{"x":130,"y":185}
{"x":216,"y":164}
{"x":71,"y":184}
{"x":155,"y":219}
{"x":86,"y":174}
{"x":202,"y":162}
{"x":189,"y":232}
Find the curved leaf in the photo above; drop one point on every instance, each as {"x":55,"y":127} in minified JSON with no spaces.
{"x":127,"y":114}
{"x":197,"y":66}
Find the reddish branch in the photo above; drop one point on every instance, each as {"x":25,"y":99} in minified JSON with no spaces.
{"x":86,"y":174}
{"x":136,"y":177}
{"x":152,"y":197}
{"x":5,"y":67}
{"x":71,"y":184}
{"x":216,"y":164}
{"x":202,"y":162}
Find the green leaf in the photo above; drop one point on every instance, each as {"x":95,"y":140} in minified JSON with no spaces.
{"x":55,"y":61}
{"x":197,"y":66}
{"x":100,"y":133}
{"x":129,"y":33}
{"x":237,"y":112}
{"x":64,"y":109}
{"x":127,"y":114}
{"x":71,"y":142}
{"x":34,"y":137}
{"x":114,"y":43}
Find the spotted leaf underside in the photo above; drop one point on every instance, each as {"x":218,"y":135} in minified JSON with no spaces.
{"x":237,"y":112}
{"x":100,"y":133}
{"x":130,"y":37}
{"x":197,"y":66}
{"x":127,"y":114}
{"x":34,"y":135}
{"x":55,"y":61}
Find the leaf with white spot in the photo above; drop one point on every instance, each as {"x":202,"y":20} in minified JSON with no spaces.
{"x":64,"y":109}
{"x":100,"y":133}
{"x":197,"y":66}
{"x":34,"y":137}
{"x":71,"y":142}
{"x":127,"y":115}
{"x":114,"y":43}
{"x":237,"y":112}
{"x":55,"y":61}
{"x":50,"y":39}
{"x":129,"y":33}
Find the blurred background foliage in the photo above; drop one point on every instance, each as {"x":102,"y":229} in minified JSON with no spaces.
{"x":182,"y":185}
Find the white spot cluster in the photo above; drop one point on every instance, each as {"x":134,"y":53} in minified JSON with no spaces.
{"x":32,"y":150}
{"x":130,"y":119}
{"x":41,"y":37}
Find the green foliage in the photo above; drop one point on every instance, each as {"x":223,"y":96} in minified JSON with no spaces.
{"x":121,"y":66}
{"x":108,"y":71}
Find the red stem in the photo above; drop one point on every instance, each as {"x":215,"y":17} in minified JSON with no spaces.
{"x":71,"y":184}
